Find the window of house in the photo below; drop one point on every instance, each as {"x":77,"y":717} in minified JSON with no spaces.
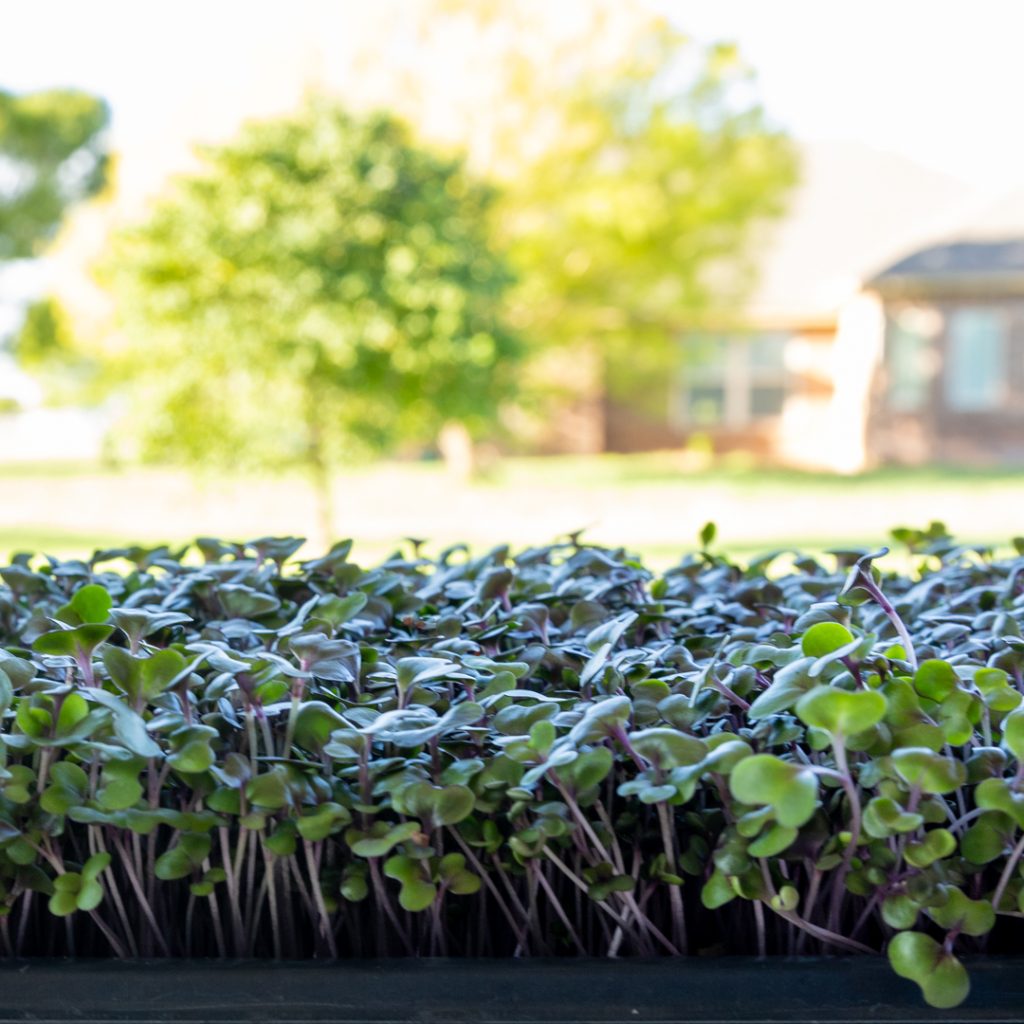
{"x":908,"y":358}
{"x":706,"y":373}
{"x":975,"y":369}
{"x":732,"y":380}
{"x":768,"y":385}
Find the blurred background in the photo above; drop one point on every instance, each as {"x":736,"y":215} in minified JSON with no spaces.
{"x":493,"y":271}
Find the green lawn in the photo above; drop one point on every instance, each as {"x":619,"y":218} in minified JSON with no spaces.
{"x":652,"y":504}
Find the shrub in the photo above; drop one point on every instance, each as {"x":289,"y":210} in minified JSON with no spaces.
{"x":556,"y":753}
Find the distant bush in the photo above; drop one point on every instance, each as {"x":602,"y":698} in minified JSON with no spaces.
{"x":552,"y":753}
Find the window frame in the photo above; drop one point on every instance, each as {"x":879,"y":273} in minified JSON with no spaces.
{"x":1000,"y":395}
{"x":737,"y":376}
{"x":924,"y":340}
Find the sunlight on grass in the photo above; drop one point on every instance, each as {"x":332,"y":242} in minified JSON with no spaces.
{"x":649,"y":504}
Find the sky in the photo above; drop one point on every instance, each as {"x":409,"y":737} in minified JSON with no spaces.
{"x":938,"y":81}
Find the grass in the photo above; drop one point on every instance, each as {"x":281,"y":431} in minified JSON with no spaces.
{"x":741,"y":470}
{"x":653,"y":504}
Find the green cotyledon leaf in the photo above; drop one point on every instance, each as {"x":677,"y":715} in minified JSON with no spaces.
{"x":791,"y":790}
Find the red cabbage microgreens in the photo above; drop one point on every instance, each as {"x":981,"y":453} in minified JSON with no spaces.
{"x":543,"y":754}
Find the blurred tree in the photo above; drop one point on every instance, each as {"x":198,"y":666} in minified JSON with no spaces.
{"x":45,"y":345}
{"x":639,"y":223}
{"x":636,"y":224}
{"x":323,"y":288}
{"x":44,"y":338}
{"x":638,"y":172}
{"x":51,"y":156}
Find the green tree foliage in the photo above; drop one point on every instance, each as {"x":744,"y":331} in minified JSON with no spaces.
{"x":322,"y":288}
{"x":44,"y":338}
{"x":51,"y":156}
{"x":45,"y":345}
{"x":639,"y":171}
{"x":640,"y":220}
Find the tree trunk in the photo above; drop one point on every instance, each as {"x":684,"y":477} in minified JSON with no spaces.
{"x":320,"y":477}
{"x":457,"y":450}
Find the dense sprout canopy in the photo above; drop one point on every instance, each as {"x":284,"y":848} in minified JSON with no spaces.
{"x":226,"y":751}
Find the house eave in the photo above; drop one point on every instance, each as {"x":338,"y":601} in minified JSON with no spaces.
{"x":952,"y":286}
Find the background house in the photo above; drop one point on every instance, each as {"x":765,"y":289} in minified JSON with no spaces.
{"x":951,"y":385}
{"x":887,"y":325}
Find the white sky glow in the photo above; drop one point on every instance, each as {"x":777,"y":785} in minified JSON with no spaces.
{"x":939,"y":81}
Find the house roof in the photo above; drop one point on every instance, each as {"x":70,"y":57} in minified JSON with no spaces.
{"x":857,"y":209}
{"x":962,"y":258}
{"x":983,"y":247}
{"x":990,"y":219}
